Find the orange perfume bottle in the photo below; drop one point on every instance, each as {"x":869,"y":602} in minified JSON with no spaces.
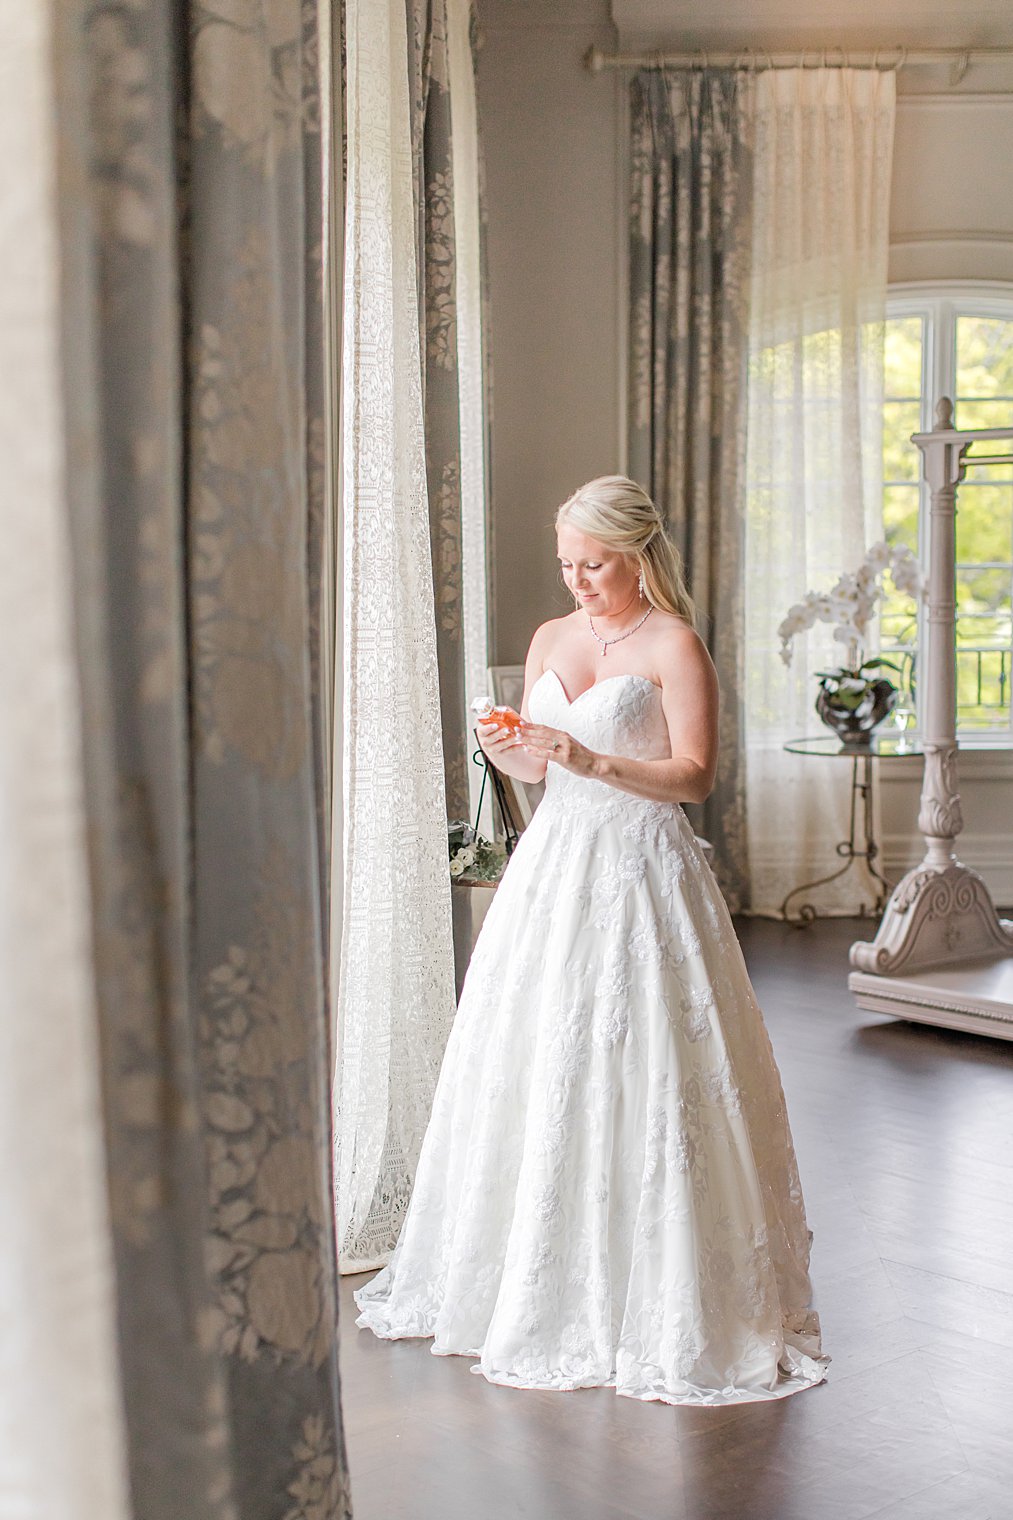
{"x":487,"y":712}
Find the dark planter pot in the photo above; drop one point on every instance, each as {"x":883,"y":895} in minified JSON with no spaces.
{"x":855,"y":726}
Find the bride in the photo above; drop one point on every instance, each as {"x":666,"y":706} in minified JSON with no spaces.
{"x":607,"y":1192}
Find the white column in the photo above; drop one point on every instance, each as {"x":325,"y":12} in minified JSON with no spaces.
{"x":940,"y":820}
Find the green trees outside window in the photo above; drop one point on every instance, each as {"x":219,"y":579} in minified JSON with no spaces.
{"x":957,"y":343}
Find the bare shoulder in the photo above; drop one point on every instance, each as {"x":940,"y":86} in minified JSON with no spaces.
{"x":678,"y":649}
{"x":547,"y":635}
{"x":544,"y":641}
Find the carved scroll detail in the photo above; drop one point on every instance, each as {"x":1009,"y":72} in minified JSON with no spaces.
{"x":934,"y":918}
{"x":940,"y":814}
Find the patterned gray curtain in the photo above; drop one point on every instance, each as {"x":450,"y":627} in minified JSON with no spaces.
{"x":191,"y":198}
{"x":433,"y":175}
{"x":689,"y":288}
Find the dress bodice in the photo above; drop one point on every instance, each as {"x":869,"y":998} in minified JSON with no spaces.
{"x":619,"y":715}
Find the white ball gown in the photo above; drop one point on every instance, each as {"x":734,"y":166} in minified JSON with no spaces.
{"x":607,"y":1192}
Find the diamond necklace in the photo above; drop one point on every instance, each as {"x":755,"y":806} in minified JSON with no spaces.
{"x":619,"y":636}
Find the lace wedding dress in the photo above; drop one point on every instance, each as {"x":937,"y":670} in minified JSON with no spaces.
{"x":607,"y":1192}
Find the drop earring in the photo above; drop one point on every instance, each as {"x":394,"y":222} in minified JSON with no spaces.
{"x":640,"y":584}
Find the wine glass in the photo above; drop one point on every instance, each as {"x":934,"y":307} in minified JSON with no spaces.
{"x":903,"y":717}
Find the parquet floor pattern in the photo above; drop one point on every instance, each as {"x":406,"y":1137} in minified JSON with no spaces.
{"x":905,"y":1144}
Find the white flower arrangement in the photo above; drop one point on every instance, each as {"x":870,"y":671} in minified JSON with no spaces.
{"x":461,"y":860}
{"x":850,"y":604}
{"x":472,"y":856}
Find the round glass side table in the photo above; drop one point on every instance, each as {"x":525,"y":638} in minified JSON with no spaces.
{"x":887,"y":746}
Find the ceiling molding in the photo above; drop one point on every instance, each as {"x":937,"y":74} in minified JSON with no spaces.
{"x":951,"y":98}
{"x":913,"y":239}
{"x":807,"y":23}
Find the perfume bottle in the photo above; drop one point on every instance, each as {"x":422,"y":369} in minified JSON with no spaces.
{"x":487,"y":712}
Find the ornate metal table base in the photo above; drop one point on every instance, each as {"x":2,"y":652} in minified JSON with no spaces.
{"x":861,"y":791}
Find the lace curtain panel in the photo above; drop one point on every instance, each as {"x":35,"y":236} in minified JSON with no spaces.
{"x":170,"y":1058}
{"x":472,"y":362}
{"x":691,"y":161}
{"x":395,"y":972}
{"x":442,"y":116}
{"x":821,"y":194}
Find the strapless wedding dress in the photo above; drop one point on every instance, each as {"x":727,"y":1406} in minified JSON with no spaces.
{"x":607,"y":1192}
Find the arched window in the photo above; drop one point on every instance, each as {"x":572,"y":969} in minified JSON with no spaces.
{"x":955,"y":340}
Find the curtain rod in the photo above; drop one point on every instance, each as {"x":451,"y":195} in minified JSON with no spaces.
{"x":832,"y":58}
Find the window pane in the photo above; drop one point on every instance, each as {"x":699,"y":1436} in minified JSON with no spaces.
{"x":898,"y":621}
{"x":981,"y":383}
{"x":992,"y":474}
{"x":984,"y":523}
{"x":903,"y":357}
{"x":901,"y":460}
{"x":982,"y":590}
{"x":900,"y":515}
{"x":984,"y":526}
{"x":983,"y":690}
{"x":979,"y":629}
{"x":984,"y":414}
{"x":984,"y":627}
{"x":967,"y":686}
{"x":984,"y":360}
{"x":902,"y":416}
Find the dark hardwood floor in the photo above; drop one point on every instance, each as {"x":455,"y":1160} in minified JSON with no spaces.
{"x":905,"y":1145}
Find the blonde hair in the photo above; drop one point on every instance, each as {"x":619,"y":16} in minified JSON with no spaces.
{"x":617,"y":512}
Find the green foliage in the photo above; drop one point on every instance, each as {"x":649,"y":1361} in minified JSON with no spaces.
{"x":985,"y":524}
{"x":900,"y":514}
{"x":902,"y":358}
{"x":472,"y":856}
{"x":984,"y":361}
{"x":901,"y":460}
{"x":848,"y":687}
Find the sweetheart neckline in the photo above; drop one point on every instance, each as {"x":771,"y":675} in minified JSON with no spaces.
{"x":624,"y":675}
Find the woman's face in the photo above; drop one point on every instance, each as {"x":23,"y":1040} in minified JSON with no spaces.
{"x":603,"y":580}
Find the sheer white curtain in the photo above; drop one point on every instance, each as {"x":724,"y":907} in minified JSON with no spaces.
{"x":395,"y":987}
{"x":823,"y":151}
{"x":470,"y":368}
{"x":61,"y":1437}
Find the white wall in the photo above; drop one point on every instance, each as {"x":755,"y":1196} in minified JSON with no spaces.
{"x":791,"y":24}
{"x":553,"y":138}
{"x":986,"y":792}
{"x":951,"y":212}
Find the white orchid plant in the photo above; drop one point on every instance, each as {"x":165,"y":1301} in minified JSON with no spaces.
{"x":851,"y":603}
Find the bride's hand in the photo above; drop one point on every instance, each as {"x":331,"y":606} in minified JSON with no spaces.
{"x":495,"y":741}
{"x":560,"y":747}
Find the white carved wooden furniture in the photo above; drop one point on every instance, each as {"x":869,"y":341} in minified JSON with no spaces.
{"x":942,"y":955}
